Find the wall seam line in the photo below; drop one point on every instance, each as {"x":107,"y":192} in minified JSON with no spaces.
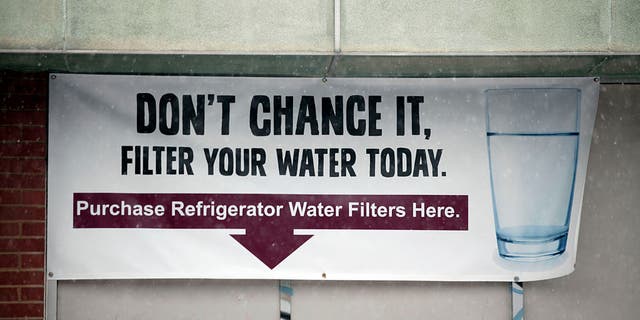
{"x":336,"y":27}
{"x":609,"y":46}
{"x":64,"y":34}
{"x":64,"y":25}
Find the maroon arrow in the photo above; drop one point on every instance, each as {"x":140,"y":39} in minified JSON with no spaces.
{"x":271,"y":247}
{"x":269,"y":235}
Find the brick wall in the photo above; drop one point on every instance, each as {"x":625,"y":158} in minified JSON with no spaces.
{"x":23,"y":136}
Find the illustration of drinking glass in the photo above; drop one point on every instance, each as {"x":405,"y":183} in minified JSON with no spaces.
{"x":532,"y":137}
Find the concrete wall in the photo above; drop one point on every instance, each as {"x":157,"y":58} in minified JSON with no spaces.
{"x":605,"y":284}
{"x":418,"y":26}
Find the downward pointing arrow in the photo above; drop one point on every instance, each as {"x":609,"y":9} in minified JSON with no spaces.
{"x":271,"y":247}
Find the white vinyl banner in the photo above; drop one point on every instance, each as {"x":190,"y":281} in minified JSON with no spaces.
{"x":305,"y":178}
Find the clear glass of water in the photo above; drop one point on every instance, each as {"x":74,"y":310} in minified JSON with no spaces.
{"x":532,"y":137}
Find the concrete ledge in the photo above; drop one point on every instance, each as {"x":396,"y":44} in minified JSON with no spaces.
{"x":611,"y":68}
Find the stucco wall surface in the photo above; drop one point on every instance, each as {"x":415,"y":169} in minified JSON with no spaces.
{"x":427,"y":26}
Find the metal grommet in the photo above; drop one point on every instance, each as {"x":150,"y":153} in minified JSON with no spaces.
{"x":53,"y":76}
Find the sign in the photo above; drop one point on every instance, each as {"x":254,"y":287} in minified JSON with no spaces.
{"x":300,"y":178}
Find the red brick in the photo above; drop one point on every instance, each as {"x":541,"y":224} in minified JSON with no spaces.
{"x":33,"y":197}
{"x":9,"y":260}
{"x":10,"y":196}
{"x":13,"y":117}
{"x":8,"y":180}
{"x":33,"y":166}
{"x":10,"y":133}
{"x":8,"y":213}
{"x":36,"y":181}
{"x":9,"y":229}
{"x":32,"y":260}
{"x":33,"y":229}
{"x":20,"y":102}
{"x":10,"y":149}
{"x":8,"y":294}
{"x":32,"y":181}
{"x":21,"y":245}
{"x":34,"y":134}
{"x":21,"y":310}
{"x":32,"y":294}
{"x":29,"y":149}
{"x":10,"y":165}
{"x":34,"y":149}
{"x":21,"y":277}
{"x":24,"y":86}
{"x":17,"y":165}
{"x":20,"y":181}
